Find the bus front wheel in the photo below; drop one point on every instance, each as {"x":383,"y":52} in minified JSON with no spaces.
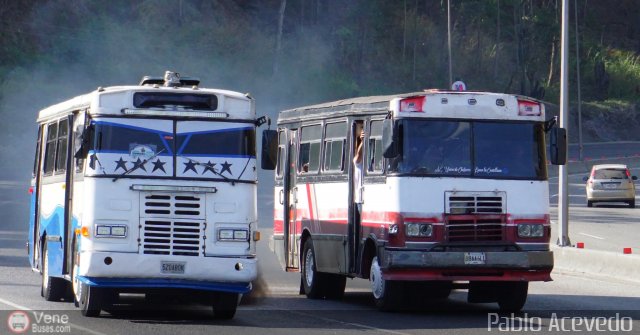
{"x":386,"y":293}
{"x":52,"y":289}
{"x":513,"y":296}
{"x":311,"y":279}
{"x":90,"y":302}
{"x":225,"y":305}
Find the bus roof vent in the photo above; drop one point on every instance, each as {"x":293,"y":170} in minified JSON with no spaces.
{"x":170,"y":79}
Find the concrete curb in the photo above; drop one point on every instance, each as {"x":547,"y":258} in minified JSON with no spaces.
{"x":605,"y":263}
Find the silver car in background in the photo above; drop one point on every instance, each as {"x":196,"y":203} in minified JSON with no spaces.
{"x":610,"y":183}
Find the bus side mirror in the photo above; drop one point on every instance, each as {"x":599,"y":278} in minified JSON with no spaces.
{"x":389,"y":139}
{"x":269,"y":149}
{"x":84,"y":143}
{"x":558,"y":146}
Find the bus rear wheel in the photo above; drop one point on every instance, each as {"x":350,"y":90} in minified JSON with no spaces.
{"x":386,"y":293}
{"x":52,"y":288}
{"x":225,"y":305}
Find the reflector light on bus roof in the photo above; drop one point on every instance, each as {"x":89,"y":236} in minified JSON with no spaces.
{"x":528,"y":108}
{"x":149,"y":112}
{"x":414,"y":104}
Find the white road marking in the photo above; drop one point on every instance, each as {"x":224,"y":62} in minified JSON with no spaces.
{"x":352,"y":324}
{"x":23,"y":308}
{"x":592,"y":236}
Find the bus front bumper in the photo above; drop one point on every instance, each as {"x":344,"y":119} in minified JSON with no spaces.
{"x":127,"y":269}
{"x":466,"y":266}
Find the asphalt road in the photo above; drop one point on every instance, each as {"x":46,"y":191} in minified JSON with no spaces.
{"x":276,"y":308}
{"x":606,"y":226}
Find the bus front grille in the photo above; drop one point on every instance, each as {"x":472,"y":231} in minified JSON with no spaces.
{"x":475,"y":202}
{"x":166,"y":205}
{"x":172,"y":237}
{"x":475,"y":228}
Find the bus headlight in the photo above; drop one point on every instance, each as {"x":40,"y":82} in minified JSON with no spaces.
{"x":530,"y":230}
{"x":111,"y":230}
{"x":233,"y":235}
{"x":414,"y":229}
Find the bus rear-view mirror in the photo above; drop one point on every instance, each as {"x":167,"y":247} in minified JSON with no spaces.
{"x":558,"y":146}
{"x":269,"y":149}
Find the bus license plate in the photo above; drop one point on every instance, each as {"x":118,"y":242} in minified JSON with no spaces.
{"x":475,"y":258}
{"x":172,"y":267}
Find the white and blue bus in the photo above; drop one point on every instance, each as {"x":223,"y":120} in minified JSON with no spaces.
{"x":146,"y":189}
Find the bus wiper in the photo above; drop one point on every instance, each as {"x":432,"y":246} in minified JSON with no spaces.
{"x":209,"y":166}
{"x":245,"y":168}
{"x":136,"y":166}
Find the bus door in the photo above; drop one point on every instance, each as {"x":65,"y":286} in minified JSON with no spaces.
{"x":354,"y":224}
{"x":53,"y":211}
{"x":34,"y":190}
{"x":291,"y":252}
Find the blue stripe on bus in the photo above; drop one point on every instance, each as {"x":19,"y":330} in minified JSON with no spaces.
{"x":218,"y":156}
{"x":214,"y":131}
{"x":166,"y":283}
{"x":122,"y":152}
{"x":184,"y":144}
{"x":53,"y":225}
{"x":149,"y":130}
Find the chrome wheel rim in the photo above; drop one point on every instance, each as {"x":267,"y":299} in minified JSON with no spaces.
{"x":375,"y":277}
{"x":308,"y":267}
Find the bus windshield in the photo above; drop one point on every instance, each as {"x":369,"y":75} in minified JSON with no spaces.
{"x":503,"y":150}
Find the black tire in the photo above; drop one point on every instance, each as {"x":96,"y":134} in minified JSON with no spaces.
{"x":225,"y":305}
{"x":52,"y":288}
{"x":386,"y":294}
{"x":589,"y":203}
{"x":632,"y":204}
{"x":312,"y":280}
{"x":91,"y":299}
{"x":513,"y":296}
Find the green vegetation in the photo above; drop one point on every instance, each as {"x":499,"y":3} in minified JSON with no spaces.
{"x":296,"y":52}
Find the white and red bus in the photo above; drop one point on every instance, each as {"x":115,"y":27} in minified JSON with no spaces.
{"x":454,"y":194}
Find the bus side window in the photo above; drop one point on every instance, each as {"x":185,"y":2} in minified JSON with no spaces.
{"x":334,"y":144}
{"x":61,"y":150}
{"x":374,"y":158}
{"x":281,"y":154}
{"x":309,"y":159}
{"x":50,"y":149}
{"x":36,"y":160}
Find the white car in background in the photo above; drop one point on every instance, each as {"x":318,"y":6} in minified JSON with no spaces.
{"x":610,"y":183}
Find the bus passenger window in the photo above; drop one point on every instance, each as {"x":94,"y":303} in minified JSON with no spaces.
{"x":36,"y":160}
{"x":309,"y":159}
{"x":50,"y":149}
{"x":61,"y":160}
{"x":374,"y":158}
{"x":334,"y":144}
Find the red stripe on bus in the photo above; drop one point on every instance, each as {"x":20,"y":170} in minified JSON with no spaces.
{"x":310,"y":201}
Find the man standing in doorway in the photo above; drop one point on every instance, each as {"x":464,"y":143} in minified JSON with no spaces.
{"x":358,"y":163}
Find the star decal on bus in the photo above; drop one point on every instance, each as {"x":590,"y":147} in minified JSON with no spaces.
{"x":190,"y":165}
{"x":139,"y":164}
{"x":121,"y":164}
{"x":209,"y":167}
{"x":158,"y":165}
{"x":226,"y":167}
